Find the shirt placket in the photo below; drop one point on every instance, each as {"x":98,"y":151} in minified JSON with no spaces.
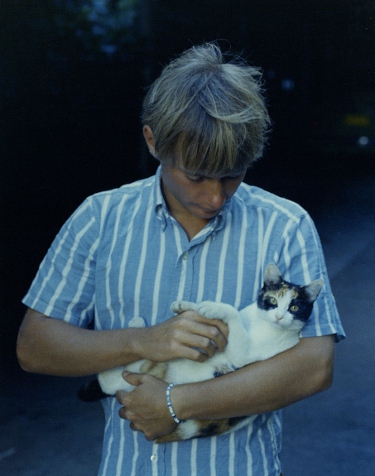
{"x":186,"y":265}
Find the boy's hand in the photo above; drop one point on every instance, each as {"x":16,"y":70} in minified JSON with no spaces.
{"x":145,"y":406}
{"x":187,"y":335}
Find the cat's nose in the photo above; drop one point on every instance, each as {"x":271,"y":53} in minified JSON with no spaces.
{"x":278,"y":318}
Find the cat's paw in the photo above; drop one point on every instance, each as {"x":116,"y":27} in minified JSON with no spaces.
{"x":182,"y":306}
{"x":217,"y":310}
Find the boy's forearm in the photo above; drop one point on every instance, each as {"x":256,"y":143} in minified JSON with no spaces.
{"x":260,"y":387}
{"x":51,"y":346}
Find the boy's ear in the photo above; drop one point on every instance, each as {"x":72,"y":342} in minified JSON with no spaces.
{"x":149,"y":138}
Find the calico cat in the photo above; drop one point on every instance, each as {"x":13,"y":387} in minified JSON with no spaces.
{"x":259,"y":331}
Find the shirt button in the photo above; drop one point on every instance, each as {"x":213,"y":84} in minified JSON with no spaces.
{"x":153,"y":458}
{"x":185,"y":256}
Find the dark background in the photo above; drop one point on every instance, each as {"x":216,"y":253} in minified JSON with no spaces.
{"x":71,"y":92}
{"x":70,"y":112}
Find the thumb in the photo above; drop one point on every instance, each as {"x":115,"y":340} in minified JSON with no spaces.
{"x":132,"y":378}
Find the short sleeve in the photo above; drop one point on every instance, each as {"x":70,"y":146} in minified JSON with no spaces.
{"x":305,"y":262}
{"x":64,"y":286}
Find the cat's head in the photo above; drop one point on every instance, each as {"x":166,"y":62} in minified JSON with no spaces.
{"x":286,"y":304}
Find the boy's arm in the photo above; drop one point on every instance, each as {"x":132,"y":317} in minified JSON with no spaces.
{"x":52,"y":346}
{"x":261,"y":387}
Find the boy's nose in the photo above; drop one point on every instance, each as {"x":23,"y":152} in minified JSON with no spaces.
{"x":215,"y":194}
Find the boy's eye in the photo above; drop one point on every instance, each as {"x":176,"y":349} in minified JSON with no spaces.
{"x":195,"y":178}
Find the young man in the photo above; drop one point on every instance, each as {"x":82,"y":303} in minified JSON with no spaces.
{"x":194,"y":231}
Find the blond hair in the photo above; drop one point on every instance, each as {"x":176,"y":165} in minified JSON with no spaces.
{"x":209,"y":114}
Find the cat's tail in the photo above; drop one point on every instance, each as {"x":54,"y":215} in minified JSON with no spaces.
{"x":204,"y":428}
{"x":91,"y":392}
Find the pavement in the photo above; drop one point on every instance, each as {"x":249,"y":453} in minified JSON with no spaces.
{"x":333,"y":433}
{"x":46,"y":431}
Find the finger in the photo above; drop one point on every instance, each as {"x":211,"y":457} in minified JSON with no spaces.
{"x":120,"y":396}
{"x":133,"y":378}
{"x":122,"y":413}
{"x":204,"y":346}
{"x":219,"y":323}
{"x":194,"y":354}
{"x":128,"y":415}
{"x":222,"y":326}
{"x":219,"y":333}
{"x":148,"y":435}
{"x":214,"y":330}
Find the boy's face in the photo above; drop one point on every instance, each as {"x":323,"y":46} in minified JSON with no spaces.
{"x":197,"y":196}
{"x":190,"y":196}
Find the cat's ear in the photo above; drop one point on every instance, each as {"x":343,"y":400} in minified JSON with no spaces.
{"x":313,"y":289}
{"x":272,"y":275}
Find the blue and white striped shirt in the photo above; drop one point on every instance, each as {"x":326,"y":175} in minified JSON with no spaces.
{"x":122,"y":255}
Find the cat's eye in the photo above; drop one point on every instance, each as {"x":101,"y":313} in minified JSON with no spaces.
{"x":273,"y":301}
{"x":294,"y":308}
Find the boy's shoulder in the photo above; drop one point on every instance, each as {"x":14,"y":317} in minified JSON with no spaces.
{"x":254,"y":197}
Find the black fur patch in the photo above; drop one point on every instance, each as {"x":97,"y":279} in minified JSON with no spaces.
{"x":209,"y":430}
{"x":233,"y":421}
{"x":91,"y":392}
{"x":304,"y":308}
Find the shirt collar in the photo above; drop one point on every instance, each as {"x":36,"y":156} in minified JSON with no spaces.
{"x":160,"y":205}
{"x":159,"y":199}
